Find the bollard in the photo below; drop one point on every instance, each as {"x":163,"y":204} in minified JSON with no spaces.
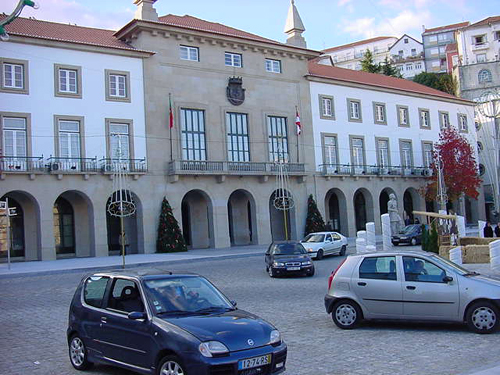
{"x":361,"y":234}
{"x":456,"y":255}
{"x":495,"y":255}
{"x":370,"y":248}
{"x":370,"y":234}
{"x":360,"y":245}
{"x":386,"y":232}
{"x":481,"y":224}
{"x":461,"y":226}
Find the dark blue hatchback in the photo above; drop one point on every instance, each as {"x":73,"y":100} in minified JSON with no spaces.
{"x":168,"y":324}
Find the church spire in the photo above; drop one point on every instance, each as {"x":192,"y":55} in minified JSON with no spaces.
{"x":294,"y":27}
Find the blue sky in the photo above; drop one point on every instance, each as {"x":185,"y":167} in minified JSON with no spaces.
{"x":328,"y":22}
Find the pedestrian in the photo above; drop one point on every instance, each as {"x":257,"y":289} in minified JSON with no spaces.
{"x":497,"y":230}
{"x":488,"y":230}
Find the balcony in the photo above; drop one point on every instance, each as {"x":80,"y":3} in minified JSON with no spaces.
{"x":203,"y":167}
{"x":480,"y":46}
{"x":127,"y":166}
{"x":57,"y":165}
{"x":22,"y":164}
{"x":372,"y":170}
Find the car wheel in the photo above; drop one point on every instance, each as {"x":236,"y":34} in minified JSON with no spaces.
{"x":342,"y":250}
{"x":482,"y":317}
{"x":413,"y":241}
{"x":78,"y":353}
{"x":346,"y":314}
{"x":271,"y":272}
{"x":311,"y":273}
{"x":171,"y":365}
{"x":319,"y":256}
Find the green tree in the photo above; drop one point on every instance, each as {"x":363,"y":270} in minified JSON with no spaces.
{"x":432,"y":242}
{"x":314,"y":220}
{"x":442,"y":82}
{"x":367,"y":64}
{"x":425,"y":238}
{"x":170,"y":239}
{"x":387,"y":69}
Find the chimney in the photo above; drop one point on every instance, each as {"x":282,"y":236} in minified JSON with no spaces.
{"x":294,"y":27}
{"x":145,"y":10}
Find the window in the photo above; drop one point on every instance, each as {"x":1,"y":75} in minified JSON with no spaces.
{"x":358,"y":154}
{"x":94,"y":289}
{"x":406,"y":154}
{"x":379,"y":113}
{"x":400,"y":53}
{"x":480,"y":147}
{"x":382,"y":268}
{"x":69,"y":140}
{"x":420,"y":270}
{"x":484,"y":76}
{"x":14,"y":76}
{"x":238,"y":146}
{"x":67,"y":81}
{"x":330,"y":151}
{"x":273,"y":66}
{"x":409,"y":67}
{"x":125,"y":297}
{"x":427,"y":150}
{"x":406,"y":40}
{"x":233,"y":59}
{"x":414,"y":52}
{"x":433,"y":38}
{"x":444,"y":119}
{"x":403,"y":116}
{"x":442,"y":37}
{"x":278,"y":138}
{"x":326,"y":110}
{"x":64,"y":227}
{"x":462,"y":123}
{"x":119,"y":140}
{"x":435,"y":51}
{"x":117,"y":86}
{"x":418,"y":65}
{"x":481,"y":58}
{"x":189,"y":53}
{"x":383,"y":153}
{"x":354,"y":108}
{"x":425,"y":118}
{"x":479,"y":40}
{"x":14,"y":138}
{"x":193,"y":134}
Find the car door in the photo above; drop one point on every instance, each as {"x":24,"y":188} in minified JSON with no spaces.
{"x":377,"y":284}
{"x":337,"y":243}
{"x":426,"y":295}
{"x":328,"y":244}
{"x":269,"y":259}
{"x":122,"y":339}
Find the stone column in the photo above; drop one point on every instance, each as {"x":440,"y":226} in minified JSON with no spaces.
{"x":370,"y":234}
{"x":360,"y":245}
{"x":495,"y":255}
{"x":386,"y":232}
{"x":461,"y":226}
{"x":481,"y":224}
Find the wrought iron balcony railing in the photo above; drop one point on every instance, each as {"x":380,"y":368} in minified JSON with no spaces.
{"x":196,"y":167}
{"x":373,"y":170}
{"x":72,"y":165}
{"x":132,"y":166}
{"x":21,"y":164}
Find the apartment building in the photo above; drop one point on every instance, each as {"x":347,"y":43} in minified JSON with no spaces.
{"x":407,"y":55}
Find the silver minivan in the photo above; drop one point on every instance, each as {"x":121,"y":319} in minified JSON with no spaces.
{"x":411,"y":285}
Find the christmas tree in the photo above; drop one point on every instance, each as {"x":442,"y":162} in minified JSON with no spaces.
{"x":314,"y":220}
{"x":170,"y":237}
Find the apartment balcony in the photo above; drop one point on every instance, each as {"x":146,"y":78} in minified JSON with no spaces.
{"x":345,"y":170}
{"x":22,"y":164}
{"x":205,"y":167}
{"x":480,"y":46}
{"x":403,"y":59}
{"x":126,"y":166}
{"x":58,"y":165}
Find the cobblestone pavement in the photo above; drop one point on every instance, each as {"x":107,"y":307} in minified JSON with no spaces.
{"x":34,"y":312}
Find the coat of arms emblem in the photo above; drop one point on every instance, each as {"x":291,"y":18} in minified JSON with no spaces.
{"x":235,"y":92}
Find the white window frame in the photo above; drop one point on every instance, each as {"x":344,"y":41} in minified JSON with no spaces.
{"x":462,"y":123}
{"x":425,"y":118}
{"x":189,"y":53}
{"x":354,"y":110}
{"x":231,"y":59}
{"x":68,"y":81}
{"x":193,"y":136}
{"x":113,"y":93}
{"x":427,"y":153}
{"x":403,"y":116}
{"x":273,"y":66}
{"x":13,"y":68}
{"x":444,"y":120}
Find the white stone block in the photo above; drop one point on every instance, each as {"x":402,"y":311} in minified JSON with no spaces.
{"x":370,"y":248}
{"x":386,"y":232}
{"x":481,"y":224}
{"x":495,"y":255}
{"x":461,"y":226}
{"x":370,"y":234}
{"x":360,"y":245}
{"x":456,"y":255}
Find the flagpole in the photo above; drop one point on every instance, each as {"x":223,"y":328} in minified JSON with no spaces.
{"x":170,"y":124}
{"x":296,"y":113}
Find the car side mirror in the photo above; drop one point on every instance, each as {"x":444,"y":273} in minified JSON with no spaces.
{"x":234,"y":303}
{"x":136,"y":315}
{"x":447,"y":279}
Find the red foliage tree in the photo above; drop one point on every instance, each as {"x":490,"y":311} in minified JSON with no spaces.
{"x":459,"y":167}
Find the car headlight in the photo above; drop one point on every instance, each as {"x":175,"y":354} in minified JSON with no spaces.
{"x":207,"y":349}
{"x":278,"y":264}
{"x":306,"y":263}
{"x":275,"y":337}
{"x":309,"y":250}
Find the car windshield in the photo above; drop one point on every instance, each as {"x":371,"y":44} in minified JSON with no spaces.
{"x":289,"y":249}
{"x":184,"y":295}
{"x":410,"y":228}
{"x":454,"y":266}
{"x":314,"y":238}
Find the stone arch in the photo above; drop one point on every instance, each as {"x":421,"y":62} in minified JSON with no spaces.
{"x":133,"y":228}
{"x":383,"y":199}
{"x":25,"y":229}
{"x":336,"y":208}
{"x":277,"y":221}
{"x":197,"y":209}
{"x":241,"y":213}
{"x":411,"y":202}
{"x":363,"y":208}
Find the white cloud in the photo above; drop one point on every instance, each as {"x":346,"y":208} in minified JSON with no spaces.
{"x":69,"y":11}
{"x":341,"y":3}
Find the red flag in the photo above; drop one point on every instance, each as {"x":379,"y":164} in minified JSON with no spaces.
{"x":297,"y":122}
{"x":170,"y":112}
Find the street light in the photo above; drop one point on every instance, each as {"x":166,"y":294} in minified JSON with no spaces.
{"x":16,"y":13}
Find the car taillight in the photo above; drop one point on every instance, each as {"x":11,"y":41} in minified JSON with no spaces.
{"x":330,"y":279}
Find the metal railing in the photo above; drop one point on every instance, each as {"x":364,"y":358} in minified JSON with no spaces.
{"x":72,"y":165}
{"x":20,"y":164}
{"x":108,"y":165}
{"x":230,"y":168}
{"x":373,"y":170}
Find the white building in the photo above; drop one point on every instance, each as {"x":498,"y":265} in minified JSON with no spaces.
{"x":71,"y":102}
{"x":407,"y":55}
{"x":349,"y":56}
{"x":374,"y":135}
{"x":480,"y":42}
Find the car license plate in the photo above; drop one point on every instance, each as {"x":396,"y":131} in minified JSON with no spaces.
{"x":293,"y":268}
{"x":254,"y":362}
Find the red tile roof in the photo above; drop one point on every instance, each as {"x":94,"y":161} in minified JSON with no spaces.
{"x":32,"y":28}
{"x":451,"y":27}
{"x":486,"y":21}
{"x":358,"y":43}
{"x":376,"y":80}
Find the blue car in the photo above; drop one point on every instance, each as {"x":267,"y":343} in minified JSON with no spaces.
{"x":163,"y":324}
